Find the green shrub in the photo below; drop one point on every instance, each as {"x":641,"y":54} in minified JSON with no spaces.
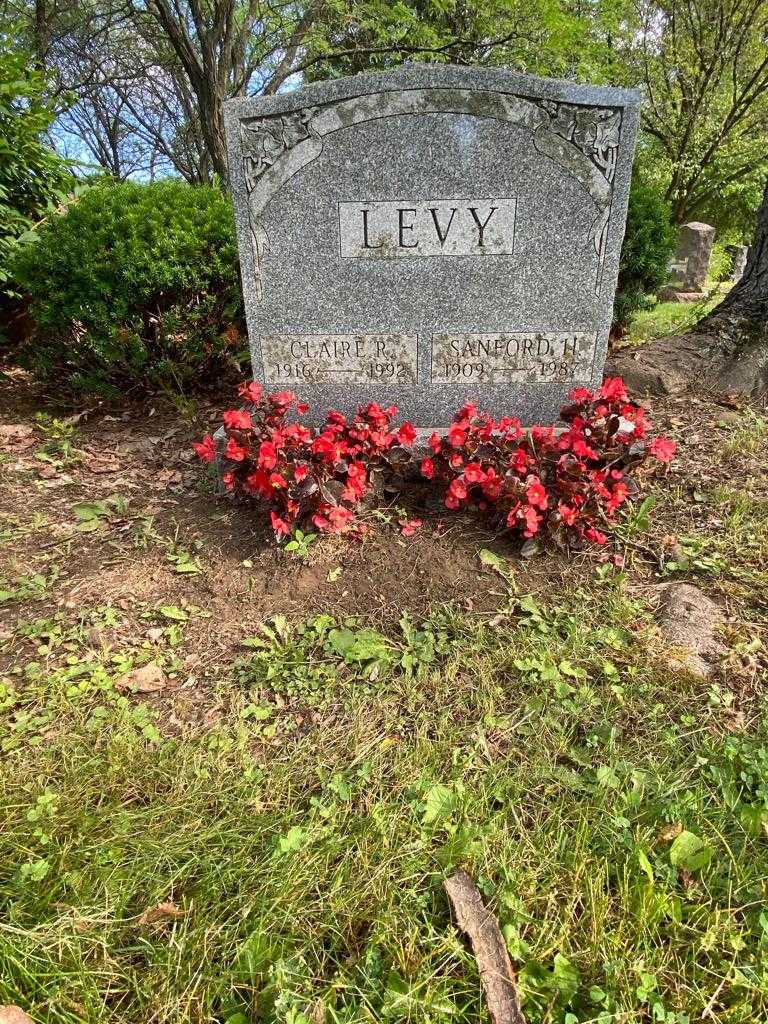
{"x":33,"y":178}
{"x":649,"y":242}
{"x":135,"y":285}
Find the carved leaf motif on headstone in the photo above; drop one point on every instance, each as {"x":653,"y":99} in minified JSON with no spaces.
{"x":265,"y":139}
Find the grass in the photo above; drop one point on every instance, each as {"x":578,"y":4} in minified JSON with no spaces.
{"x":670,"y":318}
{"x":285,"y":864}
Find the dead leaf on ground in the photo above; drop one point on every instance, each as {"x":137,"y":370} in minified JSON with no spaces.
{"x":14,"y":1015}
{"x":16,"y":435}
{"x":47,"y":472}
{"x":493,"y":963}
{"x":162,"y":912}
{"x":146,"y":679}
{"x":102,"y":463}
{"x":670,"y":832}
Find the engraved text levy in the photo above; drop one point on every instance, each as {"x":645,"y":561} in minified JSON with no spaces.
{"x":432,"y":227}
{"x":341,"y":358}
{"x":517,"y":358}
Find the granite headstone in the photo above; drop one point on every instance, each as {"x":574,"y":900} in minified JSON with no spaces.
{"x":690,"y":268}
{"x":738,"y":254}
{"x":431,"y":236}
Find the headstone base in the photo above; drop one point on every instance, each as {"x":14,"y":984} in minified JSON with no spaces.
{"x":673,"y":295}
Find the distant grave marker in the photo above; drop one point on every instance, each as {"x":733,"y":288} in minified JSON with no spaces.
{"x":431,"y":236}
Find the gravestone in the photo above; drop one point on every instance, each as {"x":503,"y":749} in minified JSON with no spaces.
{"x":431,"y":236}
{"x":690,"y":268}
{"x":738,"y":254}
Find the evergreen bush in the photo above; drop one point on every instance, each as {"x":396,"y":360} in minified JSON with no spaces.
{"x":649,"y":243}
{"x":135,"y":285}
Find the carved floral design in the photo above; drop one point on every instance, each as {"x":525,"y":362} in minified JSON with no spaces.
{"x":594,"y":130}
{"x":265,"y":139}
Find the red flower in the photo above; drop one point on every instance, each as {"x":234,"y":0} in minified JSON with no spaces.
{"x":406,"y":435}
{"x":297,"y":433}
{"x":427,"y":468}
{"x":206,"y":449}
{"x":567,"y":514}
{"x":300,"y":471}
{"x":329,"y":447}
{"x":593,"y":534}
{"x":301,"y":408}
{"x":277,"y":480}
{"x":282,"y":399}
{"x":435,"y":443}
{"x":662,"y":448}
{"x":250,"y":392}
{"x":457,"y":435}
{"x":409,"y":526}
{"x":532,"y":521}
{"x":377,"y":416}
{"x":337,"y":418}
{"x":473,"y":473}
{"x":536,"y":493}
{"x":580,"y":395}
{"x":583,"y":450}
{"x":613,"y":390}
{"x":267,"y":455}
{"x":237,"y":419}
{"x":492,"y":484}
{"x":467,"y":412}
{"x":338,"y":517}
{"x":235,"y":451}
{"x":279,"y":525}
{"x":618,"y":496}
{"x":457,"y":492}
{"x":455,"y":461}
{"x":520,"y":461}
{"x":258,"y":483}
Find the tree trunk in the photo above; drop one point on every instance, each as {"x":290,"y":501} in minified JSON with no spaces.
{"x":725,"y":352}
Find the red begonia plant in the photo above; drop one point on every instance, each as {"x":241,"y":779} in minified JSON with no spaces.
{"x":301,"y":473}
{"x":543,"y":480}
{"x":538,"y":480}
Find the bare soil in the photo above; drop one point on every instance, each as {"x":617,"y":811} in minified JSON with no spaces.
{"x":142,"y":453}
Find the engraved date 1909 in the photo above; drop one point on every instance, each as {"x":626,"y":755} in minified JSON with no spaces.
{"x":545,"y":370}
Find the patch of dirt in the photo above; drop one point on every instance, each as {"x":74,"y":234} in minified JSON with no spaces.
{"x":160,"y":514}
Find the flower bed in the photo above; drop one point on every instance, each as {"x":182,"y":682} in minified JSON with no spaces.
{"x":563,"y":484}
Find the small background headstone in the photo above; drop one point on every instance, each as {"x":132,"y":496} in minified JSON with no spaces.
{"x":738,"y":254}
{"x":690,"y":268}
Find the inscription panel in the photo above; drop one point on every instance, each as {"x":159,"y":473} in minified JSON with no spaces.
{"x":533,"y":357}
{"x":340,"y":358}
{"x":432,"y":227}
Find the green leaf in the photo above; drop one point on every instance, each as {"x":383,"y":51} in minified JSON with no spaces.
{"x":566,"y":977}
{"x":170,"y":611}
{"x":488,"y":557}
{"x":439,"y":804}
{"x":293,"y":840}
{"x":690,"y":851}
{"x":644,"y":863}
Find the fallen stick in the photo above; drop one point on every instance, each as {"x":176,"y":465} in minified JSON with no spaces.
{"x":493,"y":963}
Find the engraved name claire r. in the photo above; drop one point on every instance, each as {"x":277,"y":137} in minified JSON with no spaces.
{"x":384,"y":229}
